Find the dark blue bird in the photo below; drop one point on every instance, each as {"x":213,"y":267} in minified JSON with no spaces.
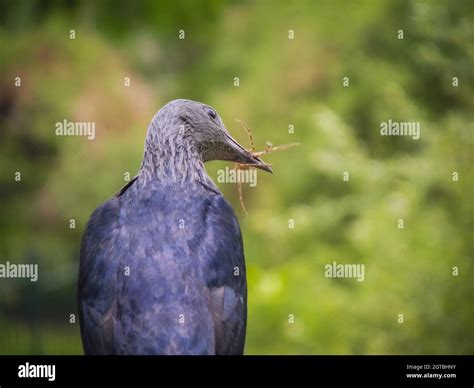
{"x":162,"y":267}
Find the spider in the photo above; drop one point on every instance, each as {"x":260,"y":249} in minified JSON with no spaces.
{"x":269,"y":148}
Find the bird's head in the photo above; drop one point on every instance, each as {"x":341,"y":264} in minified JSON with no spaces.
{"x":198,"y":125}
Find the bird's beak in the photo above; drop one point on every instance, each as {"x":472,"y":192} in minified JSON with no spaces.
{"x":240,"y":155}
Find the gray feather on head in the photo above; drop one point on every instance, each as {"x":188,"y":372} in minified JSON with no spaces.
{"x":182,"y":136}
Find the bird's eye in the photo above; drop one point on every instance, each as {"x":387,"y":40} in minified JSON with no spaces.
{"x":212,"y":113}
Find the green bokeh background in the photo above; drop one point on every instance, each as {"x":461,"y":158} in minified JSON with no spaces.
{"x":283,"y":82}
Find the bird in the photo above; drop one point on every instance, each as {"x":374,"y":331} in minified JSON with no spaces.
{"x":162,"y":268}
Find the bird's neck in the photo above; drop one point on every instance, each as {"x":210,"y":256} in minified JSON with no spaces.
{"x":173,"y":160}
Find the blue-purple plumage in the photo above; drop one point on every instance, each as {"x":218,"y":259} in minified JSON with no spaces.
{"x":154,"y":262}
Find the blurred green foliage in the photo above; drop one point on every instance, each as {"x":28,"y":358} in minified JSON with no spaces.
{"x":283,"y":82}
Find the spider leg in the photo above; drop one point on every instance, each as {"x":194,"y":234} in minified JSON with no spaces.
{"x":277,"y":148}
{"x":249,"y":133}
{"x":239,"y":187}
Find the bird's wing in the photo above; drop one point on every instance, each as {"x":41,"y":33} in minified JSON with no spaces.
{"x":100,"y":255}
{"x":223,"y":266}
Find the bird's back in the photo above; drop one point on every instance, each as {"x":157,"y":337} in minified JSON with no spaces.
{"x":162,"y":272}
